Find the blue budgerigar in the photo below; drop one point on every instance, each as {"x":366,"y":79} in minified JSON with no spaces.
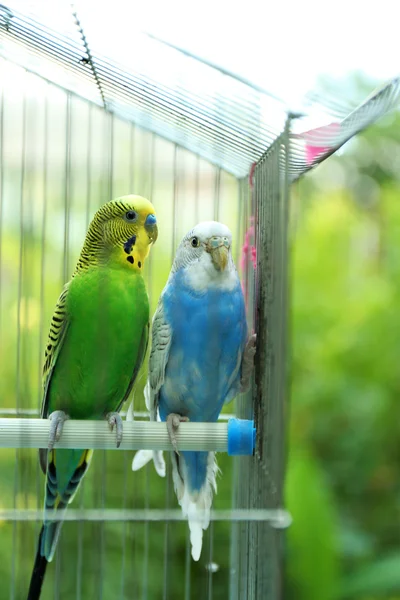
{"x":201,"y":358}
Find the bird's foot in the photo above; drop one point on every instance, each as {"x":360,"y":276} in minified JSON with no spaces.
{"x":248,"y":363}
{"x":57,"y":420}
{"x":173,"y":422}
{"x":114,"y":420}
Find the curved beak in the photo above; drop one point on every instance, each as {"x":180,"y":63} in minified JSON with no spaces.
{"x":218,"y":248}
{"x":151,"y":227}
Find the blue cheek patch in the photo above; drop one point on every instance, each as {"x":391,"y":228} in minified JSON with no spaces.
{"x":128,"y":245}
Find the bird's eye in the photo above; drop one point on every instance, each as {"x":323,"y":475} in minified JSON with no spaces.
{"x":130,"y":216}
{"x":195,"y":242}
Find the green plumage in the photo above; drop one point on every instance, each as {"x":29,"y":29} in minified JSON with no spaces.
{"x":96,"y":346}
{"x":106,"y":315}
{"x":103,"y":332}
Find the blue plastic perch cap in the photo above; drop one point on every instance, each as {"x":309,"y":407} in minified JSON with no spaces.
{"x":241,"y":437}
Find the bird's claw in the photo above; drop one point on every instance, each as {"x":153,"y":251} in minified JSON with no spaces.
{"x":173,"y":422}
{"x":114,"y":420}
{"x":248,"y":362}
{"x":57,"y":420}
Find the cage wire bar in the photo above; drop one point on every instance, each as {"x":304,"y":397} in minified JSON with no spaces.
{"x":65,"y":148}
{"x":54,"y":175}
{"x":178,"y":96}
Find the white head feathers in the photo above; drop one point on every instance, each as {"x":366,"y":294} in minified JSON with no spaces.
{"x":205,"y":254}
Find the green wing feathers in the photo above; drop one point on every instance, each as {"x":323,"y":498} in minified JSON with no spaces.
{"x":96,"y":346}
{"x":58,"y":328}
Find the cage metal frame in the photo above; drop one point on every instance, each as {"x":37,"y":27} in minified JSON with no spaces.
{"x":257,"y":516}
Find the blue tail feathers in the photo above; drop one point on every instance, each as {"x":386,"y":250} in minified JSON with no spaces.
{"x":196,"y":465}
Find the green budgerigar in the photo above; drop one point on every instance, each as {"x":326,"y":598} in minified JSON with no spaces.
{"x":96,"y":346}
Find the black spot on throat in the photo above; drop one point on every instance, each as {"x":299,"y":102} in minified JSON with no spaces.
{"x":139,"y":264}
{"x":128,"y":245}
{"x":131,"y":259}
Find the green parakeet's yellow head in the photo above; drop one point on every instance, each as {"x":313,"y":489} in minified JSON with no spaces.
{"x":121,"y":232}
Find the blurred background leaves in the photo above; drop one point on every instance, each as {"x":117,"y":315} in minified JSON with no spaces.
{"x":343,"y":485}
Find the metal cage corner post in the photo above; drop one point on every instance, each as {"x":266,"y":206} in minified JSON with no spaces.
{"x":257,"y":568}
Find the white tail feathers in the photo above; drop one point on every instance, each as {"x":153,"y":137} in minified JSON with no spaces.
{"x":142,"y":457}
{"x":195,"y":506}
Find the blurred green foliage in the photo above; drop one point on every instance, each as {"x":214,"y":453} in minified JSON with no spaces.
{"x":342,"y":484}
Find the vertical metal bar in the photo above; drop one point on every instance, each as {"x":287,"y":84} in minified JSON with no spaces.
{"x":65,"y":273}
{"x":197,"y":190}
{"x":89,"y":167}
{"x":102,"y":558}
{"x":14,"y":551}
{"x":127,"y":460}
{"x":217,"y":192}
{"x":147,"y":474}
{"x":132,"y":158}
{"x":103,"y":472}
{"x":27,"y":291}
{"x":64,"y":277}
{"x":287,"y":262}
{"x":246,"y":489}
{"x":127,"y":472}
{"x":240,"y":221}
{"x":21,"y":252}
{"x":234,"y":532}
{"x":244,"y":409}
{"x":67,"y":192}
{"x":217,"y":197}
{"x":263,"y":215}
{"x":234,"y":542}
{"x":124,"y":527}
{"x":188,"y":559}
{"x":57,"y":578}
{"x":271,"y":364}
{"x":210,"y":562}
{"x":39,"y":480}
{"x":79,"y":555}
{"x":81,"y":526}
{"x":168,"y":462}
{"x":151,"y":191}
{"x":43,"y":249}
{"x":166,"y":533}
{"x":175,"y":202}
{"x":1,"y":195}
{"x":260,"y":479}
{"x":111,"y":158}
{"x":146,"y":536}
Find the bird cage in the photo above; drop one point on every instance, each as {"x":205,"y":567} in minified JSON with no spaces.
{"x":77,"y":128}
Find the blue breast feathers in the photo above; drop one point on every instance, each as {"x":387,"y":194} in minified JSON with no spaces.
{"x":208,"y":336}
